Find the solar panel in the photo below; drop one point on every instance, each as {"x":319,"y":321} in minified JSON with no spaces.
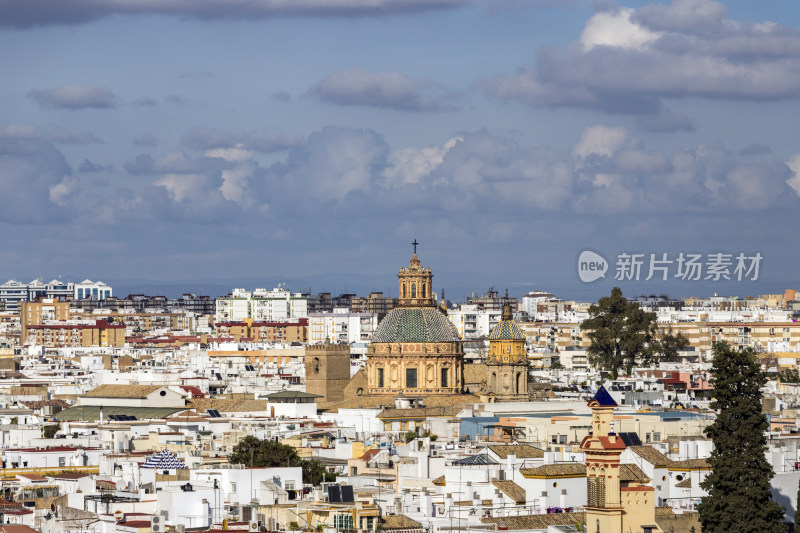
{"x":334,"y":494}
{"x":347,"y":494}
{"x":213,"y":413}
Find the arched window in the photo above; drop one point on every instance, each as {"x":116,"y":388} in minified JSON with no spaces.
{"x":413,"y":290}
{"x":424,"y":290}
{"x":404,"y":290}
{"x":316,"y":365}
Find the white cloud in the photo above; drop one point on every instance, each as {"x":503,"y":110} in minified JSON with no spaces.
{"x":600,"y":140}
{"x":61,"y":192}
{"x":794,"y":181}
{"x":182,"y":187}
{"x":410,"y":165}
{"x":616,"y":29}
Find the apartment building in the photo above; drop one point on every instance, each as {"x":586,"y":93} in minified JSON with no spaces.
{"x":261,"y":305}
{"x":41,"y":312}
{"x":272,"y":332}
{"x":70,"y":335}
{"x":341,"y":326}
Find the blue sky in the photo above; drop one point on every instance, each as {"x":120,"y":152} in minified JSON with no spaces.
{"x":311,"y":140}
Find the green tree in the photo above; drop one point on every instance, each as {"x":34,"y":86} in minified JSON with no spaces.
{"x":622,"y":335}
{"x":797,"y":512}
{"x":50,"y":430}
{"x":738,"y":486}
{"x":789,"y":375}
{"x":256,"y":453}
{"x":669,"y":344}
{"x":314,"y":472}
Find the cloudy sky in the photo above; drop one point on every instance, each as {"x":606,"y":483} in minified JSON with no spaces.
{"x":231,"y":140}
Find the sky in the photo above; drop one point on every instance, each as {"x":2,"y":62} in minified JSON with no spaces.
{"x":227,"y":142}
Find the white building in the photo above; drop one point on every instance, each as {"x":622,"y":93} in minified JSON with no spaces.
{"x":93,"y":290}
{"x":473,"y":323}
{"x":341,"y":326}
{"x":277,"y":305}
{"x":13,"y":292}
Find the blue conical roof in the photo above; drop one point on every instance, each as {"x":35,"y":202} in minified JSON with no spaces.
{"x":604,"y":398}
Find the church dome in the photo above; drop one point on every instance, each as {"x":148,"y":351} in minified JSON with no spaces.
{"x":415,"y":324}
{"x":507,"y":330}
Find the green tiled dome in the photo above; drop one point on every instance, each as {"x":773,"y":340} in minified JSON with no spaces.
{"x":507,"y":330}
{"x":415,"y":324}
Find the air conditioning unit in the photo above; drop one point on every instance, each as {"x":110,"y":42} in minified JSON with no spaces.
{"x":253,"y":526}
{"x":157,"y":524}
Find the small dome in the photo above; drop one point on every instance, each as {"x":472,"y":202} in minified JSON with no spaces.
{"x":507,"y":330}
{"x":415,"y":324}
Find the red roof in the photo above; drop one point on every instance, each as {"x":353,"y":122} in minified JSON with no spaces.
{"x":197,"y":393}
{"x":370,"y":454}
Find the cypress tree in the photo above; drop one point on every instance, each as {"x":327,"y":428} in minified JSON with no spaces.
{"x":739,"y":499}
{"x":797,"y":512}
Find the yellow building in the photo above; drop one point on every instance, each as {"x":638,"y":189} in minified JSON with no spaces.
{"x":36,"y":313}
{"x":64,"y":335}
{"x":415,"y":349}
{"x":613,"y":506}
{"x":507,"y":368}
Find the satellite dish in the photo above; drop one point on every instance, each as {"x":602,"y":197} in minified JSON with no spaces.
{"x":119,"y":516}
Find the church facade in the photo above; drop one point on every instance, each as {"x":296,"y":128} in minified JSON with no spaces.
{"x":415,"y":350}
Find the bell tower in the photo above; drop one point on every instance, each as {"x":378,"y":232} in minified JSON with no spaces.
{"x":603,"y":448}
{"x":415,"y":282}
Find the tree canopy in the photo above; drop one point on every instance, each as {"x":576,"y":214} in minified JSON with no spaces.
{"x":739,"y":498}
{"x":256,"y":453}
{"x":622,"y":335}
{"x":669,"y":344}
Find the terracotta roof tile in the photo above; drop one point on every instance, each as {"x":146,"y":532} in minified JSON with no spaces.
{"x":522,"y":451}
{"x":632,"y":473}
{"x":651,"y":455}
{"x":537,"y":521}
{"x":556,"y":470}
{"x":512,"y":490}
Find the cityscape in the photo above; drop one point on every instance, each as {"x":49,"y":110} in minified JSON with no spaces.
{"x":399,"y":266}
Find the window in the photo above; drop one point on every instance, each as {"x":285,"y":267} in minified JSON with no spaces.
{"x":233,"y":488}
{"x":289,"y":485}
{"x":444,"y":377}
{"x":380,"y":377}
{"x":413,"y":290}
{"x":411,"y":378}
{"x":562,"y":439}
{"x":343,"y":521}
{"x":316,"y":365}
{"x":62,"y":461}
{"x":354,"y":471}
{"x":656,"y":437}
